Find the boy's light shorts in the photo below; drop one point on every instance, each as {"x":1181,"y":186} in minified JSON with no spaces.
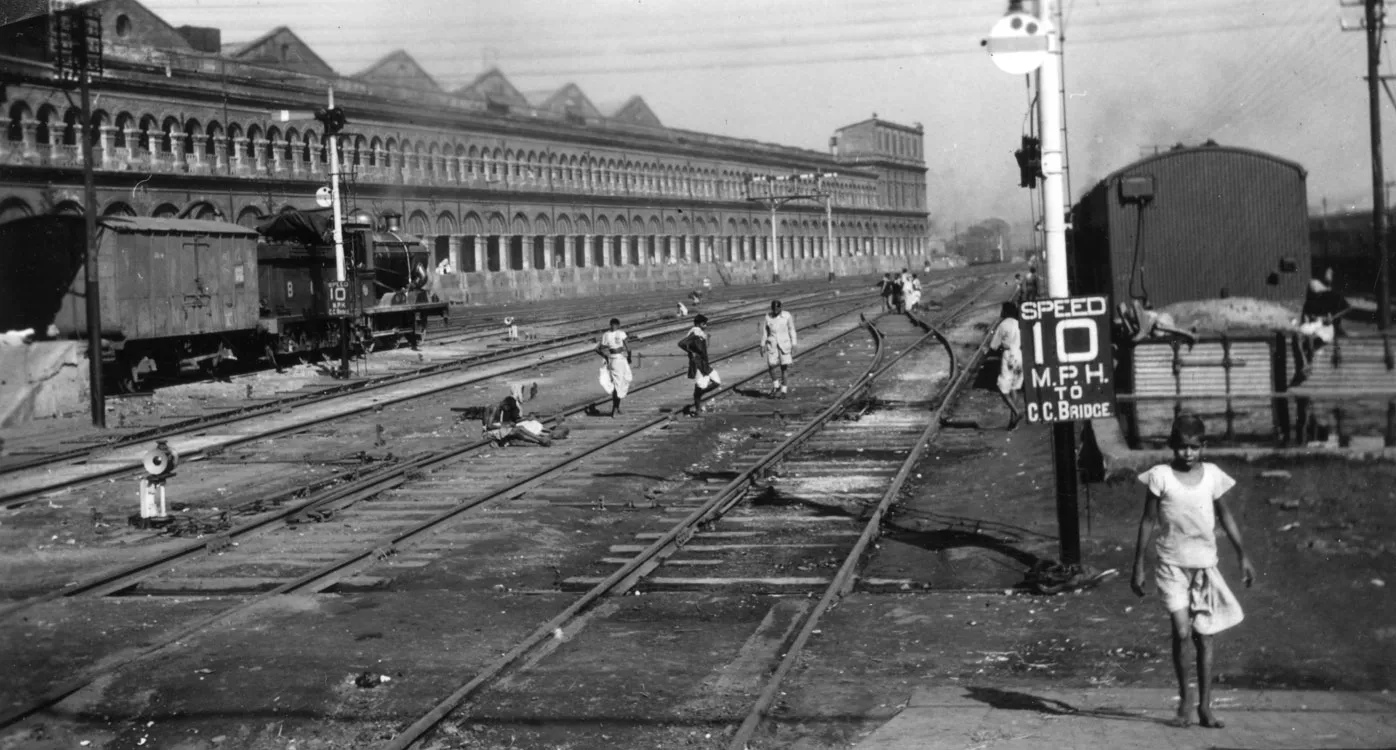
{"x":1174,"y":586}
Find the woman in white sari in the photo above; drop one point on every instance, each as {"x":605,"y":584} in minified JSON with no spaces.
{"x":615,"y":373}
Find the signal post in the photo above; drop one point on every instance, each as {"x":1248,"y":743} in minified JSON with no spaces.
{"x":1021,"y":43}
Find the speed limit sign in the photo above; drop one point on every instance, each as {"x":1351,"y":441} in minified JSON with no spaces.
{"x":1068,"y":367}
{"x":338,"y":298}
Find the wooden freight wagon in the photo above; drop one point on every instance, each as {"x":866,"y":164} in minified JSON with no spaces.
{"x":159,"y":278}
{"x":1194,"y":223}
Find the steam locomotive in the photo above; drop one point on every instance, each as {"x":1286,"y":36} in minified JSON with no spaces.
{"x":185,"y":293}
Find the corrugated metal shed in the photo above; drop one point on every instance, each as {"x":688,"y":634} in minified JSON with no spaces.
{"x":1194,"y":223}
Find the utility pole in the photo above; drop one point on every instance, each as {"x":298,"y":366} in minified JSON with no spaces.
{"x":1374,"y":12}
{"x":78,"y":54}
{"x":1373,"y":23}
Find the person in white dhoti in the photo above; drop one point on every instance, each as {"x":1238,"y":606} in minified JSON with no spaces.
{"x":615,"y":373}
{"x":912,"y":293}
{"x":778,"y":340}
{"x":1184,"y":503}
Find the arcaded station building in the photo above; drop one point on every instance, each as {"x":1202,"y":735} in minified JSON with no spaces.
{"x":519,"y":196}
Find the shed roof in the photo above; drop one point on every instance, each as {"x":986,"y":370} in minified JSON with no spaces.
{"x":1213,"y":148}
{"x":151,"y":224}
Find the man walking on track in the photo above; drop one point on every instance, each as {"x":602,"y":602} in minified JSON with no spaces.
{"x":778,"y":343}
{"x":615,"y":373}
{"x":700,"y":371}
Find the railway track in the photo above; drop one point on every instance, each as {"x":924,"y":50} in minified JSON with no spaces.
{"x":426,"y":493}
{"x":793,"y":505}
{"x":31,"y":480}
{"x":297,"y":552}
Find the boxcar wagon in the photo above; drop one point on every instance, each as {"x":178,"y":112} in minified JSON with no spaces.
{"x":1194,"y":223}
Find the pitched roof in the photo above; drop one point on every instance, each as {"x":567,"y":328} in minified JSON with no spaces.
{"x":637,"y":112}
{"x":150,"y":29}
{"x":398,"y":68}
{"x":570,"y":100}
{"x":492,"y":85}
{"x":281,"y":48}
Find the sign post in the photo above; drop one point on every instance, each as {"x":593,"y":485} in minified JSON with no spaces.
{"x":1068,"y":373}
{"x":1021,"y":43}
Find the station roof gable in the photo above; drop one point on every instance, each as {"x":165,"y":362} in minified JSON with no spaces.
{"x":145,"y":27}
{"x":493,"y":86}
{"x":637,"y":112}
{"x":569,"y":100}
{"x":398,"y":68}
{"x":281,"y":48}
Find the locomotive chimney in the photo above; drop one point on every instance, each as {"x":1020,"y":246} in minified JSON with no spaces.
{"x":392,"y":221}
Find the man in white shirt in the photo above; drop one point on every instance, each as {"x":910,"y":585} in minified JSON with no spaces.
{"x":778,"y":341}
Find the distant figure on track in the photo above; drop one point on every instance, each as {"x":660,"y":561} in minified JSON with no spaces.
{"x":1184,"y":503}
{"x":913,"y":293}
{"x":1009,"y":338}
{"x":887,"y":288}
{"x":778,"y":341}
{"x":615,"y":372}
{"x":1030,"y":287}
{"x":700,"y":371}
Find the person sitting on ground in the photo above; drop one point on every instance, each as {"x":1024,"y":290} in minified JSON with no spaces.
{"x":1141,"y":322}
{"x":506,"y":424}
{"x":1320,"y":321}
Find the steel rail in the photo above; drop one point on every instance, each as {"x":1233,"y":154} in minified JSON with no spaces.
{"x":237,"y":414}
{"x":644,"y":562}
{"x":326,"y":577}
{"x":23,"y":497}
{"x":846,"y":577}
{"x":335,"y":496}
{"x":637,"y":567}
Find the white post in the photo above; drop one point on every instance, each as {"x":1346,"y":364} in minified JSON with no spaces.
{"x":829,"y":230}
{"x":1049,"y":108}
{"x":775,"y":245}
{"x":334,"y":197}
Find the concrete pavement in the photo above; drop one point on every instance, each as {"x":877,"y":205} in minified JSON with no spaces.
{"x":1020,"y":718}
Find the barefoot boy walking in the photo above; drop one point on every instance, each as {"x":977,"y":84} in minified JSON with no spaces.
{"x":1184,"y":503}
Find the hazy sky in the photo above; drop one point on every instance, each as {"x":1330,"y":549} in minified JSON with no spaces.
{"x":1274,"y":75}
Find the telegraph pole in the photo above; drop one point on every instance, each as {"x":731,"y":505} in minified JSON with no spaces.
{"x":78,"y":54}
{"x":1373,"y":12}
{"x":1373,"y":23}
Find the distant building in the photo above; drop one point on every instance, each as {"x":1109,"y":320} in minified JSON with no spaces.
{"x":517,"y":192}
